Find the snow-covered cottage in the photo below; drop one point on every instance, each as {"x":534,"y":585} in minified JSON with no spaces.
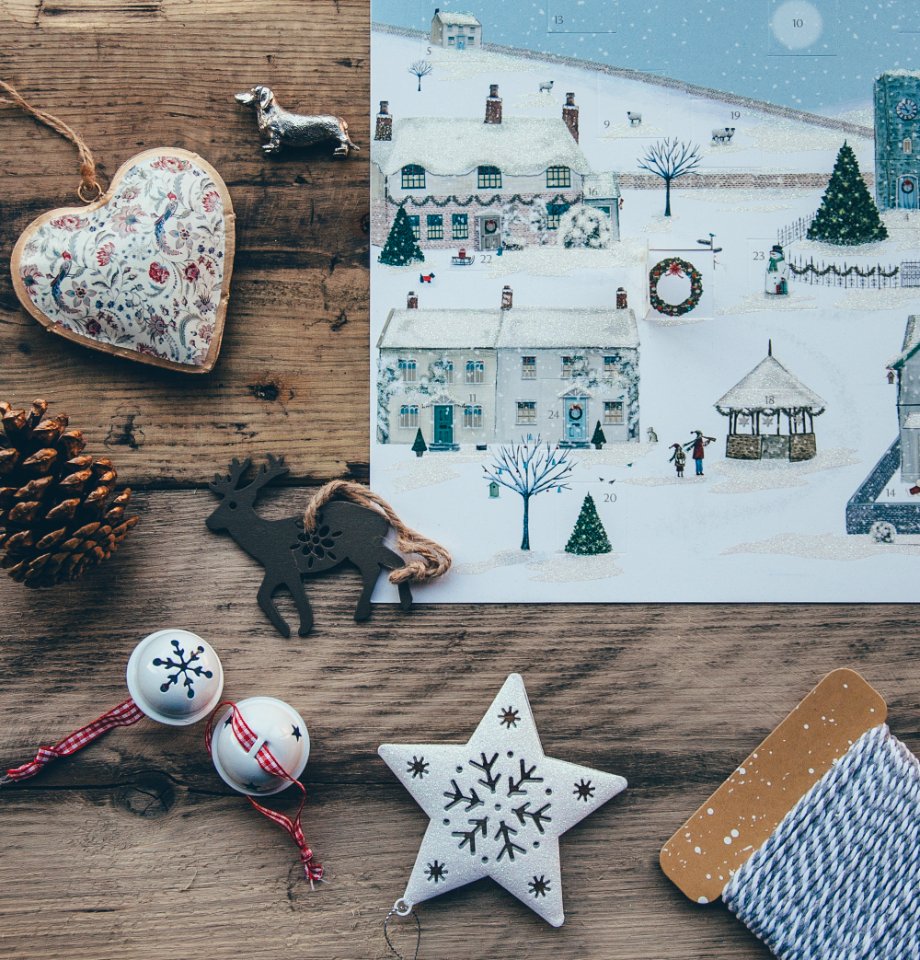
{"x":486,"y":376}
{"x":770,"y":414}
{"x":907,"y":367}
{"x":455,"y":31}
{"x":484,"y":184}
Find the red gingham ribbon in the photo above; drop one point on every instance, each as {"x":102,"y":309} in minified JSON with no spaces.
{"x":121,"y":716}
{"x":246,"y":737}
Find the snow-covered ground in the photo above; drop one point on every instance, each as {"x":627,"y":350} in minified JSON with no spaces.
{"x":746,"y":531}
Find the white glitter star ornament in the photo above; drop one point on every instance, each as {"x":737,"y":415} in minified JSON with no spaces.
{"x":498,"y":806}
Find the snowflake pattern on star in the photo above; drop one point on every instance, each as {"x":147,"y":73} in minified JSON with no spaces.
{"x":539,"y":886}
{"x":497,"y":806}
{"x":185,"y":665}
{"x":584,"y":790}
{"x":418,"y":767}
{"x":510,"y":717}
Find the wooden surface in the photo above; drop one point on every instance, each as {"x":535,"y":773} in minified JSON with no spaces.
{"x":135,"y":850}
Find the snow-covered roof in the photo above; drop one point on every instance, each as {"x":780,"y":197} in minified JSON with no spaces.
{"x":519,"y":327}
{"x":770,"y":379}
{"x":902,"y":73}
{"x":450,"y":146}
{"x":451,"y":19}
{"x":911,"y":341}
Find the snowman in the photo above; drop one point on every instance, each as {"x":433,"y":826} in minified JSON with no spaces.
{"x":776,"y":280}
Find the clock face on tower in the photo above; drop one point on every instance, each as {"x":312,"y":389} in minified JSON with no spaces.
{"x":907,"y":109}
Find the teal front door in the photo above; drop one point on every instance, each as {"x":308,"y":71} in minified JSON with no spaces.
{"x":575,"y":414}
{"x":444,"y":424}
{"x":461,"y":43}
{"x":907,"y":193}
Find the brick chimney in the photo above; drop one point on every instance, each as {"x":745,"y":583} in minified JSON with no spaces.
{"x":384,"y":129}
{"x":570,"y":115}
{"x":493,"y":105}
{"x":507,"y":297}
{"x":622,"y":303}
{"x":412,"y":300}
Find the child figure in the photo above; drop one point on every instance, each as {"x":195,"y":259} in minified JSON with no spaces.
{"x":698,"y":449}
{"x":678,"y":458}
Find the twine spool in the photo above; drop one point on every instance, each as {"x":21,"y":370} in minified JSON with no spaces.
{"x":839,"y":878}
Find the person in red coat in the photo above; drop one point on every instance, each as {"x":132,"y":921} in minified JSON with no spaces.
{"x":698,"y":446}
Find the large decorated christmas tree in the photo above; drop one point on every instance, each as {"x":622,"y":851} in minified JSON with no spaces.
{"x":589,"y":537}
{"x":848,"y":215}
{"x":401,"y":247}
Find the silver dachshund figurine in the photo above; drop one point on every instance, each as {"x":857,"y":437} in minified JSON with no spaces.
{"x":282,"y":127}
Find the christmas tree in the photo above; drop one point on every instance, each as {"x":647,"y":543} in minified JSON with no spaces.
{"x":598,"y":439}
{"x":848,"y":215}
{"x":401,"y":247}
{"x":589,"y":537}
{"x":419,"y":447}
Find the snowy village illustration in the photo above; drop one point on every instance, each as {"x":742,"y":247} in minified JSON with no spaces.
{"x":617,"y":294}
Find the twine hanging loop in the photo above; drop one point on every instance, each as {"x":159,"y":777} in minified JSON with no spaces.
{"x":429,"y":561}
{"x":90,"y":189}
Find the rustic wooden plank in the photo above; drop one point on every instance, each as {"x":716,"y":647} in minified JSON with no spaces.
{"x":130,"y":75}
{"x":670,"y":697}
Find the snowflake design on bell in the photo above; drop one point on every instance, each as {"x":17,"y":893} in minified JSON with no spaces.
{"x":317,"y":544}
{"x":184,"y":666}
{"x":497,"y":806}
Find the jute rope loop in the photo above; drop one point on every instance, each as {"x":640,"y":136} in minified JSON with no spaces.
{"x":90,"y":188}
{"x":430,"y":560}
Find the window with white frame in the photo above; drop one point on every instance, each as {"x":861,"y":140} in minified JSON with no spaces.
{"x":435,"y":226}
{"x":408,"y":369}
{"x":489,"y":177}
{"x":413,"y":177}
{"x":610,"y":367}
{"x":460,"y":226}
{"x":415,"y":224}
{"x":613,"y":413}
{"x":447,"y":366}
{"x":526,"y":411}
{"x":569,"y":365}
{"x":908,"y":145}
{"x":558,"y":177}
{"x":408,"y":416}
{"x":475,"y":371}
{"x":528,"y":368}
{"x":472,"y":416}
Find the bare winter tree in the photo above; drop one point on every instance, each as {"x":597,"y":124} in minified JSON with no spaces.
{"x":530,"y":468}
{"x":421,"y":68}
{"x":670,"y":160}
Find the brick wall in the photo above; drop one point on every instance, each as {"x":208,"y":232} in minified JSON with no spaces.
{"x":742,"y":446}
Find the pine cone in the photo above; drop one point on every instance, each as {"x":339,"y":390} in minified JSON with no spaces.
{"x":58,"y":515}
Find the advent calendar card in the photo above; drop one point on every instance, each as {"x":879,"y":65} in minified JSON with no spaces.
{"x":645,"y":288}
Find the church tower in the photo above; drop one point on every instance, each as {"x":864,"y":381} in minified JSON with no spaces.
{"x":897,"y":140}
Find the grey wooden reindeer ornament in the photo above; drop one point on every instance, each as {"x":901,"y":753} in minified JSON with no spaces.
{"x":330,"y":533}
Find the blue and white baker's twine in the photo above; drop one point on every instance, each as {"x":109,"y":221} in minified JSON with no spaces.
{"x":839,"y":879}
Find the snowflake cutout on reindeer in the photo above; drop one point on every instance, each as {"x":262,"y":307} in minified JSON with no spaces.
{"x":497,"y":806}
{"x":185,"y":666}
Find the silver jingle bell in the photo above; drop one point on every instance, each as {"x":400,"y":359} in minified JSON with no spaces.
{"x":277,"y":726}
{"x":175,"y":677}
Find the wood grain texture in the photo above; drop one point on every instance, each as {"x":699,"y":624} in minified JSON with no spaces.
{"x":135,"y":850}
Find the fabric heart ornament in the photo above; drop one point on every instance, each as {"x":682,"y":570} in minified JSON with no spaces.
{"x":144,"y":271}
